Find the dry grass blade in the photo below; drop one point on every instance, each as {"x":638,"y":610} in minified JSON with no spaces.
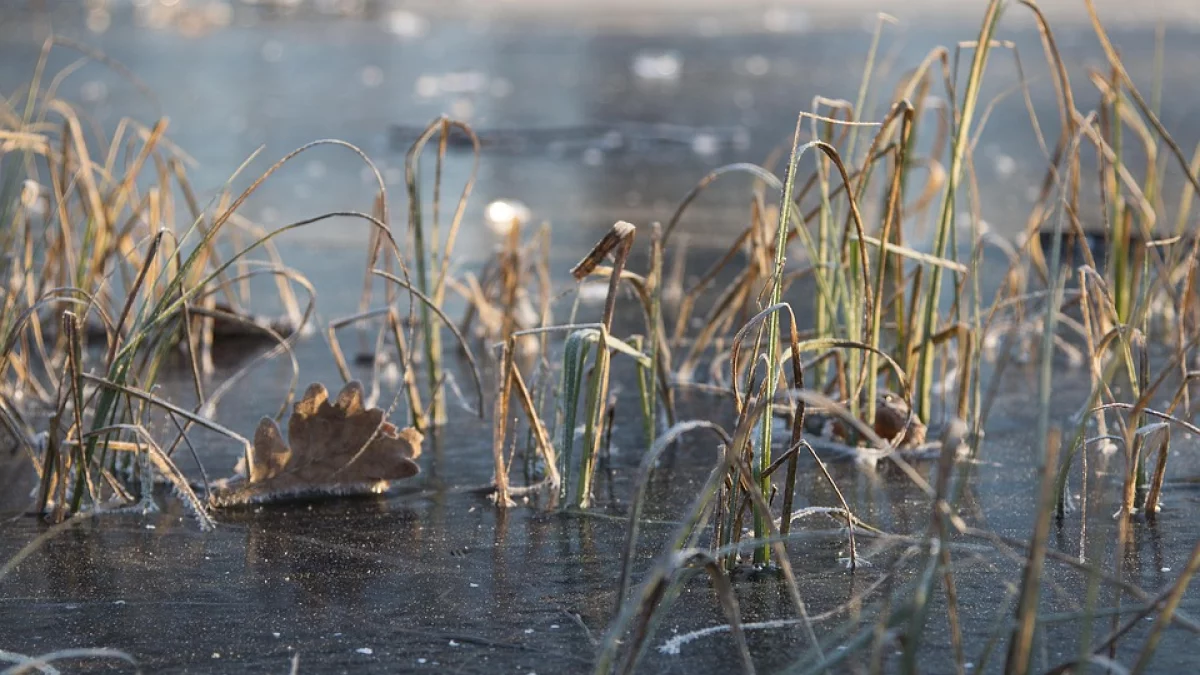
{"x":649,"y":460}
{"x":657,"y":595}
{"x":462,"y":341}
{"x":403,"y":360}
{"x":28,"y":549}
{"x":618,"y":241}
{"x":638,"y":613}
{"x":504,"y":379}
{"x":283,"y":344}
{"x":793,"y":355}
{"x":758,"y":172}
{"x":166,"y":405}
{"x":1114,"y":60}
{"x":540,"y":434}
{"x":44,"y":662}
{"x":1170,"y":605}
{"x":1020,"y":650}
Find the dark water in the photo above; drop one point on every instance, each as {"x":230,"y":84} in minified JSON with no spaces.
{"x":434,"y":578}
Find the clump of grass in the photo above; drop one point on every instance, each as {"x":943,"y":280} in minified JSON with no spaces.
{"x":93,"y":247}
{"x":639,"y":614}
{"x":512,"y":383}
{"x":851,"y":300}
{"x":583,"y":384}
{"x":883,"y":302}
{"x":430,"y":253}
{"x":618,"y":242}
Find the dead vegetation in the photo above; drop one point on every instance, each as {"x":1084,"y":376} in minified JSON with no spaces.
{"x":333,"y":449}
{"x":887,"y":369}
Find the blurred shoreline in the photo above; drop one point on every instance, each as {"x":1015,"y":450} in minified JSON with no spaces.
{"x":698,"y":17}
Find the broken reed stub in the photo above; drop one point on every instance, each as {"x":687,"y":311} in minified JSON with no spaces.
{"x":619,"y":232}
{"x":333,"y":449}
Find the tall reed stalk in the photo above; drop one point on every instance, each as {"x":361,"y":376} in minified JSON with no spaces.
{"x":963,"y":118}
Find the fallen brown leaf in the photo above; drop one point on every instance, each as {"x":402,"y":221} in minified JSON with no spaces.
{"x":336,"y":449}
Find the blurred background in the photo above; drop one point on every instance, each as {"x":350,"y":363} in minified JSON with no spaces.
{"x":589,"y":111}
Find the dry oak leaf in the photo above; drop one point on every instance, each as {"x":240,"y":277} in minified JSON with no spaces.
{"x":336,"y":449}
